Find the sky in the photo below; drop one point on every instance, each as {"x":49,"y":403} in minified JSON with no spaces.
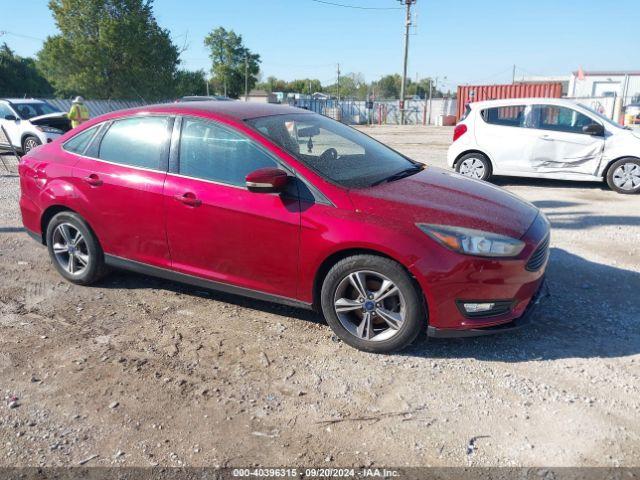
{"x":466,"y":41}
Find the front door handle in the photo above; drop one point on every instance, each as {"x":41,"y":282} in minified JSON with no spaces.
{"x":93,"y":180}
{"x":189,"y":199}
{"x":546,"y":137}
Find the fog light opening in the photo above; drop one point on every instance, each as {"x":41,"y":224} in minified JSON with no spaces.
{"x":478,"y":307}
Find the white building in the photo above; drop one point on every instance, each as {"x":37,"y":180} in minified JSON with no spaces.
{"x":619,"y":84}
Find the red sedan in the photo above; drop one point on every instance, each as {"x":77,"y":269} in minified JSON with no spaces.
{"x":281,"y":204}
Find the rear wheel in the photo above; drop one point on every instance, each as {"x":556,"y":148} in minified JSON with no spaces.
{"x":372,"y":304}
{"x":74,"y":249}
{"x":29,"y":143}
{"x":624,"y":176}
{"x":474,"y":165}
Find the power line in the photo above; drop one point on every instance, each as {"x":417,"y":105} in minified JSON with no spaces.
{"x":5,"y":32}
{"x":355,"y":6}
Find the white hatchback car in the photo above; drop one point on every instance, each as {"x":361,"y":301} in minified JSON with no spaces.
{"x":30,"y":122}
{"x":545,"y":138}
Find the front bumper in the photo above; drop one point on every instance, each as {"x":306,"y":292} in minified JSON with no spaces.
{"x":523,"y":320}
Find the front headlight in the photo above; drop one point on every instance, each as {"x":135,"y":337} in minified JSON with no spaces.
{"x":48,"y":129}
{"x":473,"y":242}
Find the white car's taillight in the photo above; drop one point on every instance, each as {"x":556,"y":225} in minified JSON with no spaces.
{"x":460,"y":130}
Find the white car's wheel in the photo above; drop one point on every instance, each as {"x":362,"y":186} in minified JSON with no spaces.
{"x":474,"y":165}
{"x":624,"y":176}
{"x":29,"y":143}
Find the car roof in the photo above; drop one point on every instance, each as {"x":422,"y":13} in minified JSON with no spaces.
{"x":17,"y":101}
{"x":233,"y":110}
{"x":526,"y":101}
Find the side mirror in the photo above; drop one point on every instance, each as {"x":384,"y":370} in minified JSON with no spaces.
{"x":267,"y":180}
{"x":594,"y":129}
{"x":12,"y":118}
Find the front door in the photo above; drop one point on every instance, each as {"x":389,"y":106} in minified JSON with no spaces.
{"x":122,"y":178}
{"x":561,"y":146}
{"x":219,"y":230}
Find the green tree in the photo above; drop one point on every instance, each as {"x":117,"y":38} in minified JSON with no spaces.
{"x":20,"y":77}
{"x":190,"y":83}
{"x":109,"y":49}
{"x":228,"y":56}
{"x":388,"y":86}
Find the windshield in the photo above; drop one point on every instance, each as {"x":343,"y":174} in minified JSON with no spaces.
{"x":602,"y":117}
{"x":33,"y":109}
{"x":337,"y":152}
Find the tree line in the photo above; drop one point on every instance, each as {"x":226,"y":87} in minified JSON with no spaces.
{"x":116,"y":49}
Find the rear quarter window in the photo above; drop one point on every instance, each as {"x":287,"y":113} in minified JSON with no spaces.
{"x":508,"y":116}
{"x":78,"y":144}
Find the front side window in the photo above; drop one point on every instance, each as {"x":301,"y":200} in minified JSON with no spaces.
{"x":337,"y":152}
{"x":559,"y":119}
{"x":509,"y":116}
{"x":78,"y":144}
{"x":137,"y":142}
{"x":211,"y":152}
{"x":5,"y":110}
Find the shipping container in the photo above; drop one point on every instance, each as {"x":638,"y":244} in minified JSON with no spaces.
{"x":478,"y":93}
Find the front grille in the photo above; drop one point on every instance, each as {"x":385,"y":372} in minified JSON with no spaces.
{"x":538,"y":257}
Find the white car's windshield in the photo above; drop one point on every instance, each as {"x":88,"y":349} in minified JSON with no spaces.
{"x":337,"y":152}
{"x":28,"y":110}
{"x":602,"y":117}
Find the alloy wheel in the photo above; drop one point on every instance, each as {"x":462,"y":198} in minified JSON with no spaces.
{"x":30,"y":144}
{"x":472,"y":167}
{"x":369,"y":305}
{"x":627,"y":176}
{"x":70,"y":249}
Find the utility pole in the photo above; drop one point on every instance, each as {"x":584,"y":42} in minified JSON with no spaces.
{"x":431,"y":88}
{"x":206,"y":82}
{"x":338,"y":84}
{"x":408,"y":3}
{"x":513,"y":76}
{"x":246,"y":77}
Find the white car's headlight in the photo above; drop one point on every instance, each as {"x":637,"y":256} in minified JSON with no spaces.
{"x":473,"y":242}
{"x":48,"y":129}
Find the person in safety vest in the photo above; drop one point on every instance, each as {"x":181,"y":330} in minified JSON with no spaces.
{"x":79,"y":112}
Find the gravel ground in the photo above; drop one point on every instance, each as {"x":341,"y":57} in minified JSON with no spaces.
{"x":137,"y":371}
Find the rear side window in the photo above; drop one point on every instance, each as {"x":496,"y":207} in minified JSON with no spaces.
{"x":509,"y":116}
{"x":559,"y":119}
{"x":211,"y":152}
{"x":78,"y":144}
{"x":137,"y":142}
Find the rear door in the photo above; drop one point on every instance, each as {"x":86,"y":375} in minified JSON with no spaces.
{"x":121,"y":176}
{"x":561,"y":146}
{"x":501,"y":133}
{"x":219,"y":230}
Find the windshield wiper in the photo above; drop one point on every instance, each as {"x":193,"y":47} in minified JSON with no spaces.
{"x":401,"y":174}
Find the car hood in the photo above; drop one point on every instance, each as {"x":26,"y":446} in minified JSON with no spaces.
{"x":43,"y":119}
{"x":441,"y":197}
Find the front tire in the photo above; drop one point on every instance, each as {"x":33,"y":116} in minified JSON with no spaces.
{"x":29,"y":143}
{"x":372,"y":304}
{"x":474,"y":165}
{"x":74,"y":249}
{"x":624,"y":176}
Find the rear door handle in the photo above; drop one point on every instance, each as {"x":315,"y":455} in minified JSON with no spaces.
{"x":546,"y":137}
{"x":93,"y":180}
{"x":188,"y":199}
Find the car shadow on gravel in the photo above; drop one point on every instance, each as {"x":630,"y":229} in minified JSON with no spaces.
{"x":130,"y":280}
{"x":592,"y":312}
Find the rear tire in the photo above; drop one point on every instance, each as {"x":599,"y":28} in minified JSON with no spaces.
{"x":373,"y":304}
{"x":624,"y":176}
{"x":74,"y":249}
{"x":29,"y":143}
{"x":474,"y":165}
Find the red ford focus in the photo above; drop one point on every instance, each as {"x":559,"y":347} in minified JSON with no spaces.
{"x":285,"y":205}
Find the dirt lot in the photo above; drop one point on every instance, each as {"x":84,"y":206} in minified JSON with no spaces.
{"x":139,"y":371}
